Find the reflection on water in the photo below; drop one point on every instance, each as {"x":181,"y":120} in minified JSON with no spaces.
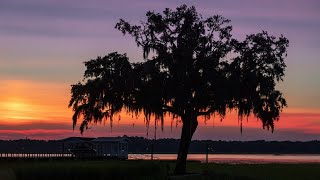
{"x":237,"y":158}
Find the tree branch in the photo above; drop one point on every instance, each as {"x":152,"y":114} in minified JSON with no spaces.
{"x":205,"y":113}
{"x":171,"y":110}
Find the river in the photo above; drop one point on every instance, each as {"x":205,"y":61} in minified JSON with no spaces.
{"x":238,"y":158}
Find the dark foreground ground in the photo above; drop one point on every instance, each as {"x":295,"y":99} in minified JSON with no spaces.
{"x":103,"y":170}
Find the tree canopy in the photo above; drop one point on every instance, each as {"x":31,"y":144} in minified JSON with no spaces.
{"x":197,"y":68}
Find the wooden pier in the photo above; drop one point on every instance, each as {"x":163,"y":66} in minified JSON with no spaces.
{"x":34,"y":155}
{"x":8,"y":156}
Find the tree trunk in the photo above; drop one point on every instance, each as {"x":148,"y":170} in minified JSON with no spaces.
{"x":189,"y":126}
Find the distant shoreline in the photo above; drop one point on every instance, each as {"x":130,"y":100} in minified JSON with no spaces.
{"x":140,"y":145}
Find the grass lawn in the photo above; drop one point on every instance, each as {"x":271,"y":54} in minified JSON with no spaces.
{"x":260,"y":171}
{"x":101,"y":170}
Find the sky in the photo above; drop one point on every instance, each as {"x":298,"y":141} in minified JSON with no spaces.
{"x":43,"y":45}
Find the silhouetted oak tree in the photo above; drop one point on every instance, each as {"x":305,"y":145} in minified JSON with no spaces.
{"x":197,"y":69}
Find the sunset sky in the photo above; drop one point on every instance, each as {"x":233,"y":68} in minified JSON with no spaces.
{"x":43,"y":45}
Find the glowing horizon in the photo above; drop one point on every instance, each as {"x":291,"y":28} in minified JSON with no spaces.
{"x":45,"y":109}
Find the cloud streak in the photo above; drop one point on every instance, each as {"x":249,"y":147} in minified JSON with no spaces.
{"x":305,"y":127}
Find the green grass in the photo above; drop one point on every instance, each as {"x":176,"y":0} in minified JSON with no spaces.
{"x":260,"y":171}
{"x":101,"y":170}
{"x":88,"y":170}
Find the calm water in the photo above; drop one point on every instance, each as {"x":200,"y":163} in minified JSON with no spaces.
{"x":217,"y":158}
{"x":238,"y":158}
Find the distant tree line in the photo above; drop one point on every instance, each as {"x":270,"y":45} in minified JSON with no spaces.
{"x":143,"y":145}
{"x":30,"y":146}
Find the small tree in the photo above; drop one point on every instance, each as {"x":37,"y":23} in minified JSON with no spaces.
{"x":197,"y":69}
